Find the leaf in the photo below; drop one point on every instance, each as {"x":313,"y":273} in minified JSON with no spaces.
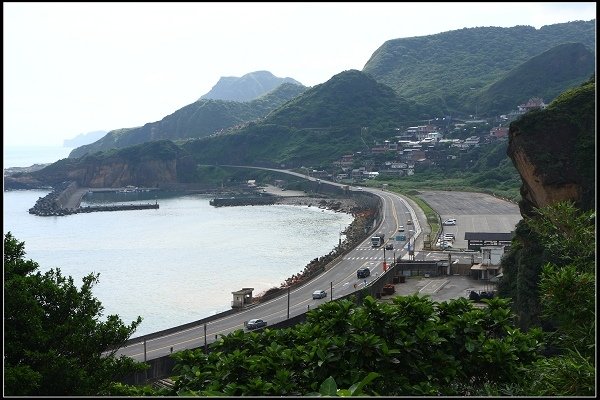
{"x":328,"y":387}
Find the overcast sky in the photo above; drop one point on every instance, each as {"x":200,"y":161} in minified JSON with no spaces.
{"x":72,"y":68}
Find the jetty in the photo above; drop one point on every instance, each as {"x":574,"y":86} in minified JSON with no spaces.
{"x":66,"y":199}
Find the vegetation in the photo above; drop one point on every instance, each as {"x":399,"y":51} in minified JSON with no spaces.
{"x":54,"y":341}
{"x":550,"y":272}
{"x":449,"y":71}
{"x":545,"y":76}
{"x":248,"y":87}
{"x":484,"y":169}
{"x":412,"y":347}
{"x":199,"y":119}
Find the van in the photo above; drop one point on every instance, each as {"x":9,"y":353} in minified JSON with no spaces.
{"x":363,"y":272}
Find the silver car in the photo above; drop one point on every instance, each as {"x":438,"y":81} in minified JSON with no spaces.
{"x":255,"y":324}
{"x":319,"y":294}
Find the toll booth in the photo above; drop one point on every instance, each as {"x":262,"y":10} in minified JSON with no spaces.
{"x":242,"y":298}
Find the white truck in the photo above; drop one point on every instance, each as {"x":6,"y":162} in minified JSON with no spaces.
{"x":377,"y":240}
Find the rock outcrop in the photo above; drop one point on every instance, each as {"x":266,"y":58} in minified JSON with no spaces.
{"x":554,"y":151}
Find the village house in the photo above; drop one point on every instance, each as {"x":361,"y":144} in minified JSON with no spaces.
{"x":531,"y":104}
{"x":499,"y":132}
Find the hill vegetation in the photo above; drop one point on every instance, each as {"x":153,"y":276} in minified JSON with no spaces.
{"x":450,"y":71}
{"x":246,"y":88}
{"x":199,"y":119}
{"x":546,"y":76}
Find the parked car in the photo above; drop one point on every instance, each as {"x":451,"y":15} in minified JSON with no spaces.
{"x":363,"y":272}
{"x":389,"y":246}
{"x":450,"y":221}
{"x":255,"y":324}
{"x":319,"y":294}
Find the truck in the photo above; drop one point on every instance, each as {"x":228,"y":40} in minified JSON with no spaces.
{"x":377,"y":240}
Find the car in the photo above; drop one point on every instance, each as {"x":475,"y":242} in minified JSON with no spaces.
{"x":389,"y":246}
{"x":363,"y":272}
{"x":319,"y":294}
{"x":401,"y":228}
{"x":255,"y":324}
{"x":409,"y":222}
{"x":450,"y":221}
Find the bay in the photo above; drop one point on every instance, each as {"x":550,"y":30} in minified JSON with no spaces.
{"x":26,"y":156}
{"x":179,"y":263}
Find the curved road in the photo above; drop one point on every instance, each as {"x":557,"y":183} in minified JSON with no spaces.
{"x":338,"y":281}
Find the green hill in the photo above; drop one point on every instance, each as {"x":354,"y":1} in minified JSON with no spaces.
{"x":199,"y":119}
{"x":542,"y":76}
{"x":319,"y":126}
{"x":246,"y":88}
{"x":446,"y":71}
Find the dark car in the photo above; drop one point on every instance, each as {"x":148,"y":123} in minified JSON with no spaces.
{"x":255,"y":324}
{"x":319,"y":294}
{"x":389,"y":246}
{"x":363,"y":272}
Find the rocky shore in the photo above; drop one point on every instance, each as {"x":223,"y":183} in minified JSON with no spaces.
{"x":355,"y":233}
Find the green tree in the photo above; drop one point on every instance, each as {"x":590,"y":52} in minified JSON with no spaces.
{"x":54,"y":341}
{"x":413,"y":346}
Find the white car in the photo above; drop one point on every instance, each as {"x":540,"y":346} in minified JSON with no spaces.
{"x":401,"y":228}
{"x":450,"y":221}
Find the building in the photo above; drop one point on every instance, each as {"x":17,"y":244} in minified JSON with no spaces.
{"x":532,"y":104}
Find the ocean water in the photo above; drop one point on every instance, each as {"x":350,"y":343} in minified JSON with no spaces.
{"x":26,"y":156}
{"x":179,"y":263}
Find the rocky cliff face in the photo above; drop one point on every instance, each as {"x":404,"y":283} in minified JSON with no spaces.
{"x":152,"y":164}
{"x":554,"y":151}
{"x":121,"y":173}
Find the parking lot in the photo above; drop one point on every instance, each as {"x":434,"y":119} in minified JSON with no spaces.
{"x":474,"y":212}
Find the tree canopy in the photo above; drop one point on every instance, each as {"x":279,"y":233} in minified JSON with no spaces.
{"x":55,"y":343}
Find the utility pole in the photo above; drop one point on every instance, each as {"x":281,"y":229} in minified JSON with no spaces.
{"x":288,"y":310}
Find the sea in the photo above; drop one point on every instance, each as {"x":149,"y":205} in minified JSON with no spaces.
{"x":175,"y":264}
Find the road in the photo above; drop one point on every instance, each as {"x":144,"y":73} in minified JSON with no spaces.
{"x":338,"y":281}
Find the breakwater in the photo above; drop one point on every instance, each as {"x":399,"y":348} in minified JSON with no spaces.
{"x":65,"y":199}
{"x":243,"y":201}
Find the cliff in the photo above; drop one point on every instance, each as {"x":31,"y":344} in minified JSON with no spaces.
{"x":152,"y":164}
{"x":554,"y":151}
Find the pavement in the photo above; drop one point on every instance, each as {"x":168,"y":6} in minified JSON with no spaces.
{"x":441,"y":288}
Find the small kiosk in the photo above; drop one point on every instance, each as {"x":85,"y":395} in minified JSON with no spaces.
{"x":242,"y":297}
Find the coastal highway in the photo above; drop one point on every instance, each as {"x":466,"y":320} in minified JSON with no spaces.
{"x":338,"y":281}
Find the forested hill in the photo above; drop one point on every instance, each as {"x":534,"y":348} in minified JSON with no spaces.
{"x":349,"y":99}
{"x":199,"y":119}
{"x":447,"y":71}
{"x":246,"y":88}
{"x":315,"y":128}
{"x":543,"y":76}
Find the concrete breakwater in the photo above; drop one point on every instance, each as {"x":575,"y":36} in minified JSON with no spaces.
{"x":65,"y":199}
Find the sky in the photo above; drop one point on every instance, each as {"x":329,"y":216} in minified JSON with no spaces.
{"x":74,"y":68}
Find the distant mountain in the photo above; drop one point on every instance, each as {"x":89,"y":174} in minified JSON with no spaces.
{"x":338,"y":117}
{"x":448,"y":70}
{"x":542,"y":76}
{"x":84,"y":138}
{"x":199,"y":119}
{"x":246,"y":88}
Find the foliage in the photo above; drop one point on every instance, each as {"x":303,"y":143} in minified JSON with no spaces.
{"x":54,"y":342}
{"x":449,"y":71}
{"x":560,"y":140}
{"x":199,"y":119}
{"x":413,"y":346}
{"x":544,"y":76}
{"x":560,"y":239}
